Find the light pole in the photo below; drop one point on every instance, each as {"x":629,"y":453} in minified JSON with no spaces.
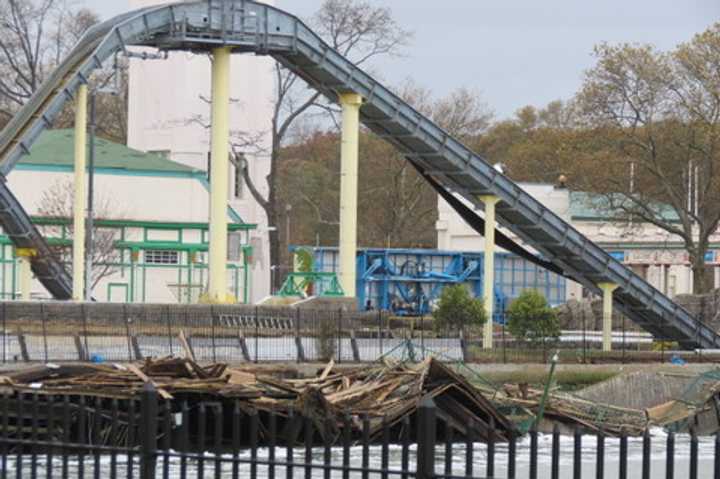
{"x":288,"y":210}
{"x":89,"y":221}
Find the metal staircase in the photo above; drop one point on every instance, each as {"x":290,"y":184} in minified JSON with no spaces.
{"x":251,"y":27}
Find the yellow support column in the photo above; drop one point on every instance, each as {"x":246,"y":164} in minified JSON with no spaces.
{"x":219,"y":167}
{"x":489,"y":268}
{"x":80,"y":201}
{"x":25,"y":256}
{"x":607,"y":289}
{"x":351,"y":103}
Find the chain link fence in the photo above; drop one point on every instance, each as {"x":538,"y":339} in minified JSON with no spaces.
{"x":53,"y":331}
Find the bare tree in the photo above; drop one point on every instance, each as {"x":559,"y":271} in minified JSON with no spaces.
{"x":409,"y":204}
{"x":34,"y":36}
{"x":658,"y":115}
{"x":58,"y":202}
{"x":309,"y":173}
{"x":358,"y":30}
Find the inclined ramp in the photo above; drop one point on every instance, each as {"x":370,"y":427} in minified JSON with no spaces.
{"x":451,"y":167}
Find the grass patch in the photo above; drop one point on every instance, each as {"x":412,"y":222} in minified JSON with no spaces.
{"x":566,"y":380}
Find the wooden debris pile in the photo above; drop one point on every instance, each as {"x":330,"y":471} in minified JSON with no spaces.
{"x":572,"y":411}
{"x":387,"y":397}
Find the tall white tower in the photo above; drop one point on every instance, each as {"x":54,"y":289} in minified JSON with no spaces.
{"x":169,"y":113}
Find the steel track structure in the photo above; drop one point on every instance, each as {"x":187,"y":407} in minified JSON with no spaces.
{"x":251,"y":27}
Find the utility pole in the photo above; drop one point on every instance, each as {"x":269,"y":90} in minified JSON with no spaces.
{"x":90,"y":204}
{"x":288,"y":210}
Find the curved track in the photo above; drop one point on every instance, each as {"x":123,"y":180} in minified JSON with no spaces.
{"x":248,"y":26}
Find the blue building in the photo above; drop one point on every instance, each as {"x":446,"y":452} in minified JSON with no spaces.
{"x":409,"y":281}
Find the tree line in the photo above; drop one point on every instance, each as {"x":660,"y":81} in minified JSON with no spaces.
{"x":642,"y":134}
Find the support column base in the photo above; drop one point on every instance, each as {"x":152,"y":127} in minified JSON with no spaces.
{"x":207,"y":299}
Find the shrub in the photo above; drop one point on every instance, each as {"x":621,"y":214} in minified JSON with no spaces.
{"x":457,"y":309}
{"x":530,"y":318}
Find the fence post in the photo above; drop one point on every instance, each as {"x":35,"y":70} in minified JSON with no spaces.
{"x":422,"y":334}
{"x":169,"y":329}
{"x":300,"y":350}
{"x":339,"y":338}
{"x":44,"y":330}
{"x":426,"y":437}
{"x":243,"y":346}
{"x":354,"y":346}
{"x":4,"y":321}
{"x":623,"y":338}
{"x":82,"y":354}
{"x":23,"y":347}
{"x":212,"y":333}
{"x":504,"y":342}
{"x":126,"y":320}
{"x":84,"y":312}
{"x":257,"y":332}
{"x":148,"y":436}
{"x":380,"y":331}
{"x":463,"y":347}
{"x":670,"y":455}
{"x":584,"y":338}
{"x":136,"y":347}
{"x":298,"y":340}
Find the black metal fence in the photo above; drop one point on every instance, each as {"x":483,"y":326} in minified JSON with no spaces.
{"x":74,"y":437}
{"x":53,"y":331}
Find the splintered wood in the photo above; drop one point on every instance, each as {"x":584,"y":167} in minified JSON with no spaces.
{"x":574,"y":411}
{"x":387,"y":396}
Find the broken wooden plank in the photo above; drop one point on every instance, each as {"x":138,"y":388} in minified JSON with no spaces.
{"x":323,"y":376}
{"x":136,"y":371}
{"x":189,"y":353}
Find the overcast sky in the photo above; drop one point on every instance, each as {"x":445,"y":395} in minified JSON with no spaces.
{"x":516,"y":52}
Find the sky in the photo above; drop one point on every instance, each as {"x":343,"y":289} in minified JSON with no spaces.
{"x":514,"y":52}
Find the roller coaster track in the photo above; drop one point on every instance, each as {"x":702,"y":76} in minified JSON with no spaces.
{"x":250,"y":27}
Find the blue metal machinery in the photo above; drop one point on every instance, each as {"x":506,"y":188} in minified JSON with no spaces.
{"x":451,"y":167}
{"x":409,"y":281}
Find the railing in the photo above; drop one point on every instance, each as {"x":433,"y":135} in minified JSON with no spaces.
{"x":54,"y":331}
{"x":77,"y":437}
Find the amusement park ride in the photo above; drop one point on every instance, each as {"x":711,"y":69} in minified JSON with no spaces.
{"x":226,"y":27}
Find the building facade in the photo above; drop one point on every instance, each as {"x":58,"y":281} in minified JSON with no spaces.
{"x":649,"y":251}
{"x":151,"y":223}
{"x":169,"y":112}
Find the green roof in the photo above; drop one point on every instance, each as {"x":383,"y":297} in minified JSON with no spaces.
{"x":593,"y":206}
{"x":55,"y":148}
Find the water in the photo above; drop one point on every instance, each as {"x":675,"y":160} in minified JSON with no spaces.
{"x":612,"y":447}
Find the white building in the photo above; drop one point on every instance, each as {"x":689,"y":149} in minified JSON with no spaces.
{"x":169,"y":113}
{"x":151,"y":211}
{"x":651,"y":252}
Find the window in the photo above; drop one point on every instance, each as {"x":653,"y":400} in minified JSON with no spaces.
{"x":162,"y":257}
{"x":235,"y":245}
{"x":238,"y":180}
{"x":238,"y":186}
